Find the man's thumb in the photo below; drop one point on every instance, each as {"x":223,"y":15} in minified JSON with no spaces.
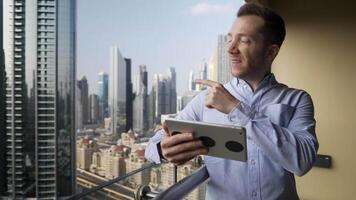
{"x":165,"y":128}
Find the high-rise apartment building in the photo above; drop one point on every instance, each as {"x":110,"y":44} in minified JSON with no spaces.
{"x":162,"y":87}
{"x":2,"y":110}
{"x":173,"y":90}
{"x":203,"y":74}
{"x":191,"y":83}
{"x":220,"y":66}
{"x":117,"y":92}
{"x":94,"y":108}
{"x":140,"y":114}
{"x":129,"y":95}
{"x":84,"y":99}
{"x":40,"y":98}
{"x":103,"y":92}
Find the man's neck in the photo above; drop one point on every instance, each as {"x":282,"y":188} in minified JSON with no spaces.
{"x":256,"y":80}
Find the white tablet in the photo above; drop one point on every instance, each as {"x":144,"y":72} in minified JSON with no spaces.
{"x":225,"y":141}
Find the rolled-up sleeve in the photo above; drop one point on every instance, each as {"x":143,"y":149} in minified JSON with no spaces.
{"x":193,"y":111}
{"x":294,"y":147}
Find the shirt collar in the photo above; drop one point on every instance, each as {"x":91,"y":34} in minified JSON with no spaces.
{"x":268,"y":80}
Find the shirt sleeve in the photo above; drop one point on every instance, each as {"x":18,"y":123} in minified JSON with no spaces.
{"x":293,"y":147}
{"x":193,"y":111}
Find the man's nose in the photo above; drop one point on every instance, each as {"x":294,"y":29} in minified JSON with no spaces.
{"x":233,"y":48}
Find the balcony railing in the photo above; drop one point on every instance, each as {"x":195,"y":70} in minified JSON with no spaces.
{"x":112,"y":190}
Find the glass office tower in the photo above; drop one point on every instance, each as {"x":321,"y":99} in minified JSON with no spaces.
{"x":40,"y":89}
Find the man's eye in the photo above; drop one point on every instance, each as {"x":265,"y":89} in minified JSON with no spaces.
{"x":244,"y":40}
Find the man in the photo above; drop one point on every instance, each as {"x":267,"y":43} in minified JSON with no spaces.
{"x":279,"y":121}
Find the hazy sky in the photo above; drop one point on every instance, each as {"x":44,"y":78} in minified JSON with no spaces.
{"x":156,"y":33}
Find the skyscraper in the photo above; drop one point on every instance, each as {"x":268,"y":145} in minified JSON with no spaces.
{"x":94,"y":108}
{"x":2,"y":111}
{"x":152,"y":108}
{"x":103,"y":89}
{"x":140,"y":114}
{"x":129,"y":96}
{"x":220,"y":67}
{"x":191,"y":86}
{"x":203,"y":74}
{"x":173,"y":91}
{"x":84,"y":98}
{"x":78,"y":109}
{"x":117,"y":92}
{"x":162,"y":86}
{"x":40,"y":92}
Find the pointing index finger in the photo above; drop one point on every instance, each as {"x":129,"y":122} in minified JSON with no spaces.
{"x":207,"y":82}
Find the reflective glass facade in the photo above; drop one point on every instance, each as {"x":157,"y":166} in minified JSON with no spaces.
{"x":40,"y":90}
{"x":117,"y":92}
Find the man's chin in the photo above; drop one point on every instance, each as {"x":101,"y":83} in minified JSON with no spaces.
{"x":237,"y":74}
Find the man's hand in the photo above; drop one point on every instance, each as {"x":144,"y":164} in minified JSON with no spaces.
{"x":218,"y":97}
{"x":180,"y":148}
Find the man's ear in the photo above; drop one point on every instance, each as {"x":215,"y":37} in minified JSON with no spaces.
{"x":272,"y":52}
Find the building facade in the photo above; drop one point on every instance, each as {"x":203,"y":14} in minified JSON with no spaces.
{"x":94,"y":108}
{"x":2,"y":111}
{"x":140,"y":114}
{"x":117,"y":92}
{"x":40,"y":98}
{"x":220,"y":66}
{"x":103,"y":92}
{"x":164,"y":86}
{"x":84,"y":99}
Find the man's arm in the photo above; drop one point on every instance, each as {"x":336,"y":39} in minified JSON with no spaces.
{"x":295,"y":147}
{"x":193,"y":111}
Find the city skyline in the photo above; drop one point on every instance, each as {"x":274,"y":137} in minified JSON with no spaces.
{"x":161,"y":35}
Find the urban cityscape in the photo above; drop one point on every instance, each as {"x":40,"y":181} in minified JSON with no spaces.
{"x":57,"y":137}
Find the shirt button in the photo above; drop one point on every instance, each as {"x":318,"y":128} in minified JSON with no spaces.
{"x":254,"y":193}
{"x":253,"y":162}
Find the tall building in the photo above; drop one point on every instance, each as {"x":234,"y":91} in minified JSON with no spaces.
{"x":2,"y":110}
{"x":78,"y":109}
{"x":117,"y":92}
{"x":152,"y":108}
{"x":84,"y":99}
{"x":191,"y":86}
{"x":129,"y":95}
{"x":103,"y":91}
{"x":220,"y":67}
{"x":140,"y":114}
{"x":94,"y":108}
{"x":40,"y":92}
{"x":203,"y":74}
{"x":163,"y":98}
{"x":173,"y":90}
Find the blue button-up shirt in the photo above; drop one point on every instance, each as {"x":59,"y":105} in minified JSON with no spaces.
{"x":281,"y":141}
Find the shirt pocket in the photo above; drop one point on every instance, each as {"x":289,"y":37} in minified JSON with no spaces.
{"x":280,"y":114}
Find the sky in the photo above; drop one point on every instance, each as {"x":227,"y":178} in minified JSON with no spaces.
{"x":156,"y":33}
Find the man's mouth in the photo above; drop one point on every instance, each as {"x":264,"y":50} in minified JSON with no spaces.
{"x":235,"y":61}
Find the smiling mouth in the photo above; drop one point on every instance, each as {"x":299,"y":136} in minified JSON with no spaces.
{"x":235,"y":60}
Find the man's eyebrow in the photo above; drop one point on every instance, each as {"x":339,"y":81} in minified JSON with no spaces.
{"x":239,"y":34}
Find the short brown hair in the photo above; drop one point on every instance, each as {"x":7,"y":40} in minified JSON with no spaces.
{"x":274,"y":28}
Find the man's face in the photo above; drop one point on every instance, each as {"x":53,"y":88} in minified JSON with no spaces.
{"x":247,"y":47}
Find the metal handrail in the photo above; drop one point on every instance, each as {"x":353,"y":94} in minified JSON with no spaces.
{"x":105,"y":184}
{"x":184,"y":186}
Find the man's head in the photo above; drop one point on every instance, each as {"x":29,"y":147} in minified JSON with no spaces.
{"x":254,"y":40}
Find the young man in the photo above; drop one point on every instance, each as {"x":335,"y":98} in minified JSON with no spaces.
{"x":279,"y":120}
